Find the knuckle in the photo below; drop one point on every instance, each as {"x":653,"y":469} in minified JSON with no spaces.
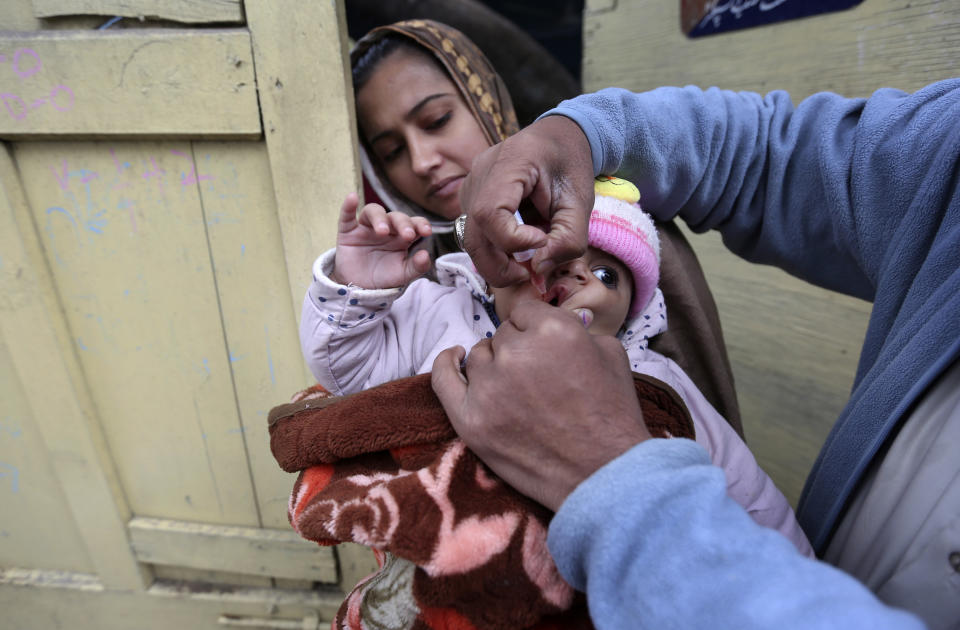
{"x":567,"y":247}
{"x":559,"y":327}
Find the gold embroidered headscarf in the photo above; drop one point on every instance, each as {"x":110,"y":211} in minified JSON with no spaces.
{"x":480,"y":86}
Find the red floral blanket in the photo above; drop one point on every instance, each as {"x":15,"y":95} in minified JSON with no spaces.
{"x":458,"y":548}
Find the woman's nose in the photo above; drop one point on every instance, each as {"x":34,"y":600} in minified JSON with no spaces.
{"x":424,"y":156}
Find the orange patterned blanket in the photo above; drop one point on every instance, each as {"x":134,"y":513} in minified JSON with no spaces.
{"x":457,"y":547}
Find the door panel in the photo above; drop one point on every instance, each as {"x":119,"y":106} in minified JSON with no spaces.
{"x":247,"y":550}
{"x":258,"y":314}
{"x":128,"y":82}
{"x":155,"y":244}
{"x":36,"y":526}
{"x":125,"y":240}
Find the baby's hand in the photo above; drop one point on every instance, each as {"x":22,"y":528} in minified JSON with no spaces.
{"x":372,"y":246}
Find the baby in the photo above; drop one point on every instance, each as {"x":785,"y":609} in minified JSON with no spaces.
{"x":369,"y":318}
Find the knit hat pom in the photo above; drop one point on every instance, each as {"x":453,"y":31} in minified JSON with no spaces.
{"x":622,"y":229}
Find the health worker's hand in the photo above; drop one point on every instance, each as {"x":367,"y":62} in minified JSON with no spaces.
{"x":548,"y":165}
{"x":544,"y":414}
{"x":373,"y":246}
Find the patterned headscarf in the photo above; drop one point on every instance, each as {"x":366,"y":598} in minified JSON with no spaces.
{"x":480,"y":86}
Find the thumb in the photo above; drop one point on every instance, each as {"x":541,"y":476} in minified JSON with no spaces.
{"x":415,"y":266}
{"x":448,"y":381}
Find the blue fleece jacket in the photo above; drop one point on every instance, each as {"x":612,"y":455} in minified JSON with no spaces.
{"x":860,"y":196}
{"x":655,"y":543}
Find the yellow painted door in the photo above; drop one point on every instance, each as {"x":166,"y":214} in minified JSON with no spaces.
{"x":162,"y":194}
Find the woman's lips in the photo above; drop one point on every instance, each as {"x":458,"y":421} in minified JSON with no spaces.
{"x":446,"y":188}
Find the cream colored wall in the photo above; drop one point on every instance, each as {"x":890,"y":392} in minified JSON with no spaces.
{"x":163,"y":191}
{"x":793,"y":347}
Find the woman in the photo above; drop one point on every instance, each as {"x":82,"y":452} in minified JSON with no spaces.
{"x":395,"y":68}
{"x":428,"y":101}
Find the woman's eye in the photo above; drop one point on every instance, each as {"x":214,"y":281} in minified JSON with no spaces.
{"x":607,"y":276}
{"x":391,"y":155}
{"x":439,"y":122}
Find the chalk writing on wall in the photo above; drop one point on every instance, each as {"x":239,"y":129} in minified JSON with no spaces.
{"x":7,"y":428}
{"x":25,"y":66}
{"x":8,"y":472}
{"x":93,"y":199}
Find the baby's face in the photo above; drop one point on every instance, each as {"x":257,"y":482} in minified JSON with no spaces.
{"x":596,"y":286}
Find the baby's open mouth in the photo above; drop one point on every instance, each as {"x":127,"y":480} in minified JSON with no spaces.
{"x":558,"y":294}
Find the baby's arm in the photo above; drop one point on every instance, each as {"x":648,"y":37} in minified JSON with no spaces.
{"x":347,"y":334}
{"x":747,"y":483}
{"x":344,"y":355}
{"x":354,"y":338}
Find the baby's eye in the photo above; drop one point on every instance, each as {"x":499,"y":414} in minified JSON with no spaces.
{"x":607,"y":276}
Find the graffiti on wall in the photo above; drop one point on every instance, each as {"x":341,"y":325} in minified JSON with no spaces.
{"x":22,"y":72}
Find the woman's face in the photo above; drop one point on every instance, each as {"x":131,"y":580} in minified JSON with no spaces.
{"x":420,"y":130}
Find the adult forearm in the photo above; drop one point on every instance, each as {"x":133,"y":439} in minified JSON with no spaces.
{"x":659,"y":515}
{"x":822,"y":189}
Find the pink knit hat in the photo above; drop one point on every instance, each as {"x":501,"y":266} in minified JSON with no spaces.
{"x":621,"y":228}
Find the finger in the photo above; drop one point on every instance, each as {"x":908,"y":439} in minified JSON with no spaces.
{"x":375,"y":216}
{"x":448,"y":381}
{"x":481,"y":356}
{"x":569,"y":217}
{"x":482,"y":349}
{"x":529,"y":314}
{"x":348,"y":212}
{"x":492,"y":232}
{"x":530,"y":320}
{"x":566,"y":240}
{"x":500,"y":229}
{"x":497,"y":267}
{"x":402,"y":225}
{"x":415,"y":266}
{"x":422,"y":226}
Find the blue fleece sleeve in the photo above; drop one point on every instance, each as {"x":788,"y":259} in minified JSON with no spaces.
{"x":826,"y":190}
{"x":654,"y":541}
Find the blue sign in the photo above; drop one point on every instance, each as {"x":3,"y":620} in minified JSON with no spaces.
{"x":717,"y":16}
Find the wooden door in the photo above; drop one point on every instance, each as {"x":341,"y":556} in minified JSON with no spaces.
{"x":164,"y":186}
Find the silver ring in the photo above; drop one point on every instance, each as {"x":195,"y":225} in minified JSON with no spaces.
{"x":459,"y":227}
